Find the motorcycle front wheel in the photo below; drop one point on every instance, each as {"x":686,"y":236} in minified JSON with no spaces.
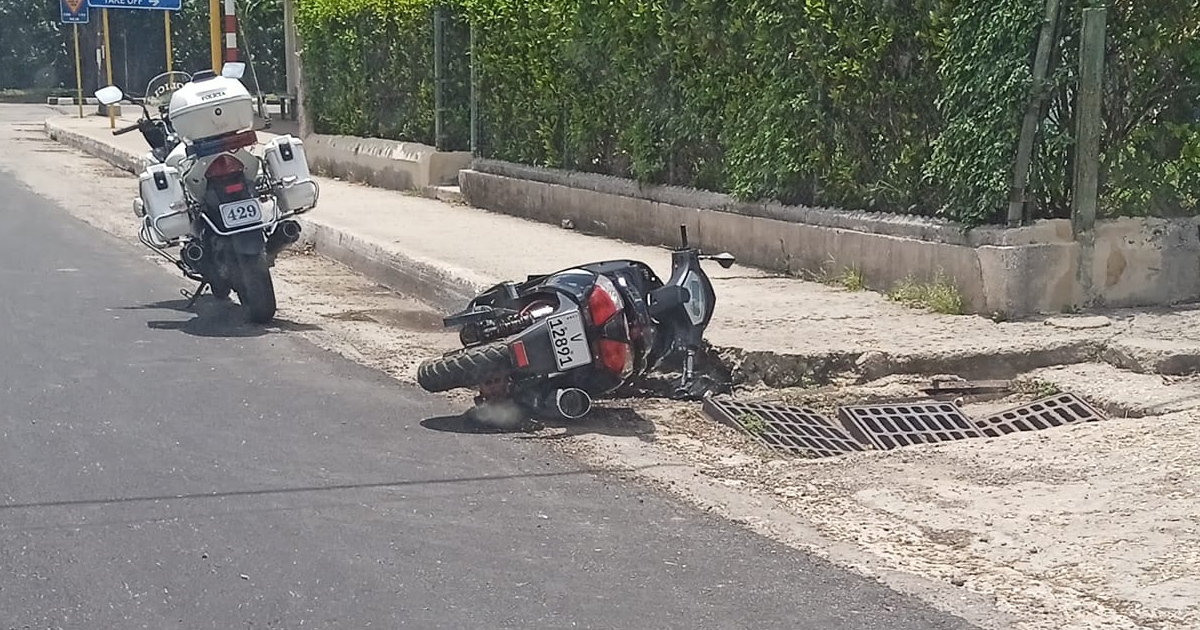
{"x":469,"y":367}
{"x":257,"y":292}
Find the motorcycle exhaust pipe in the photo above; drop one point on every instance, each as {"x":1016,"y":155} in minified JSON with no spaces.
{"x":286,"y":233}
{"x":193,"y":253}
{"x":570,"y":403}
{"x":291,"y":231}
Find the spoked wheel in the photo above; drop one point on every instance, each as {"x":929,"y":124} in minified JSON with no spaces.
{"x":257,"y":291}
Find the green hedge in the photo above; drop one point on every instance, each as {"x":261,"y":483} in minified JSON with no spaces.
{"x":369,"y":68}
{"x":896,"y":105}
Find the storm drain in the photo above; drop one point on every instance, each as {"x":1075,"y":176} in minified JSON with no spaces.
{"x":907,"y":424}
{"x":1056,"y":411}
{"x":798,"y":430}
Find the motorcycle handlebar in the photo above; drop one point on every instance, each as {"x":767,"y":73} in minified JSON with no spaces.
{"x":125,"y":130}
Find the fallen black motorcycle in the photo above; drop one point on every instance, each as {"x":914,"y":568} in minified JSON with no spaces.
{"x":554,"y":342}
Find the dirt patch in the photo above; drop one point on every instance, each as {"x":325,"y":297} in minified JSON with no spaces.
{"x":412,"y":319}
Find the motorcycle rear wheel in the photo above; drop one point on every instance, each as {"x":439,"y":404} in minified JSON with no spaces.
{"x":257,"y":292}
{"x":469,"y":367}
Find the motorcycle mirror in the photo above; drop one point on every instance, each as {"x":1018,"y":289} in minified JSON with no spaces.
{"x":725,"y":259}
{"x":233,"y":70}
{"x":110,"y":95}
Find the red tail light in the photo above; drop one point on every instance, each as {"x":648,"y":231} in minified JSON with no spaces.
{"x":615,"y":356}
{"x":604,"y":302}
{"x":224,"y":166}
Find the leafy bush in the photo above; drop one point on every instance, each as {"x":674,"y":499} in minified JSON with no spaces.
{"x":369,"y":68}
{"x":896,"y":105}
{"x":33,"y":51}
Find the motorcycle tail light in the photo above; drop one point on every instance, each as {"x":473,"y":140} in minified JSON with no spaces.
{"x":615,"y":356}
{"x":604,"y":302}
{"x":224,"y":166}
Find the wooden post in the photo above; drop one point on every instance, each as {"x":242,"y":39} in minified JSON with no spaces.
{"x":112,"y":120}
{"x":1089,"y":124}
{"x":214,"y":33}
{"x":167,"y":27}
{"x":292,"y":65}
{"x":78,"y":72}
{"x":474,"y":95}
{"x":439,"y":77}
{"x":1041,"y":61}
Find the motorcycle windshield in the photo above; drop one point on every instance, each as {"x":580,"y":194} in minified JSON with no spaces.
{"x":161,"y":87}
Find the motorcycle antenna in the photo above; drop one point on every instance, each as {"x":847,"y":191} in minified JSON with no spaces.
{"x":262,"y":106}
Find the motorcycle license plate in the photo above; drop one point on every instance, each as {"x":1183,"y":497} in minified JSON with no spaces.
{"x":241,"y":213}
{"x":569,"y":341}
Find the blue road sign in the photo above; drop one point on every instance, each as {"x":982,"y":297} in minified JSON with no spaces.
{"x":153,"y":5}
{"x":74,"y":11}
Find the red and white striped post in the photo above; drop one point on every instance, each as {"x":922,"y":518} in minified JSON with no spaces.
{"x":230,"y":28}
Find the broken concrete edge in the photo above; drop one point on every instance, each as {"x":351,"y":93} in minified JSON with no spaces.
{"x":1012,"y":273}
{"x":805,"y":371}
{"x":447,"y":291}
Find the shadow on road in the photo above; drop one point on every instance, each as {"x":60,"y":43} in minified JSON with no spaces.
{"x":615,"y":422}
{"x":215,"y":318}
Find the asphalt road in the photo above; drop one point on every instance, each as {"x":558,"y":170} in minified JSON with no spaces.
{"x":161,"y":472}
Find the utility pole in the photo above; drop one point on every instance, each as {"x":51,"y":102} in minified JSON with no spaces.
{"x":214,"y":31}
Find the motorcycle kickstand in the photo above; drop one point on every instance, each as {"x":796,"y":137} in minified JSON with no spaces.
{"x":683,"y":392}
{"x":192,"y":297}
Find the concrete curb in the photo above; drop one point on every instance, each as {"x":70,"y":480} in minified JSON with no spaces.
{"x":448,"y":291}
{"x":116,"y":156}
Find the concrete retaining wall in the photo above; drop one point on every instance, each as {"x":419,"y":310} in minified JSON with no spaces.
{"x":384,"y":163}
{"x":1039,"y":268}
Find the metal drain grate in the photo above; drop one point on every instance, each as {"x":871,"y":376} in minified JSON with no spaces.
{"x":894,"y":426}
{"x":798,"y":430}
{"x":1056,"y":411}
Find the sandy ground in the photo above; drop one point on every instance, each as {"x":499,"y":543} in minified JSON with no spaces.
{"x":1085,"y":527}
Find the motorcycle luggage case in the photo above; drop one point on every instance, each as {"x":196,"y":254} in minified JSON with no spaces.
{"x":164,"y":203}
{"x":211,"y":107}
{"x":288,"y":167}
